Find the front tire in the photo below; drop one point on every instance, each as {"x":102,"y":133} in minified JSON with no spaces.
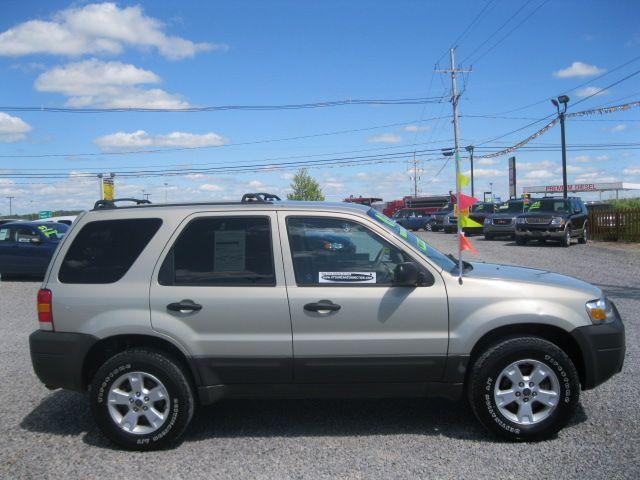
{"x":524,"y":388}
{"x":583,"y":238}
{"x":566,"y":238}
{"x":521,"y":240}
{"x":142,"y":400}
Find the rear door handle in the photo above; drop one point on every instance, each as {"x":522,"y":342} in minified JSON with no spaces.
{"x":322,"y":306}
{"x":184,"y":306}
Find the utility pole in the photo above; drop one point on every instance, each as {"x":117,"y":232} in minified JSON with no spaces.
{"x":456,"y":137}
{"x":469,"y":148}
{"x":415,"y":176}
{"x":10,"y":208}
{"x":562,"y":100}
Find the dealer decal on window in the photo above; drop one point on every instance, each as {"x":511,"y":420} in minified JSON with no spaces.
{"x":347,"y":277}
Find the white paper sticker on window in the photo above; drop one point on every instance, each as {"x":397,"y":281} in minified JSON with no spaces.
{"x":347,"y":277}
{"x":4,"y":233}
{"x":230,"y":251}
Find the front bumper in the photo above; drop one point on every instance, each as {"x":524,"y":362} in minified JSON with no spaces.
{"x":540,"y":231}
{"x":491,"y":229}
{"x":58,"y":357}
{"x":603,"y":349}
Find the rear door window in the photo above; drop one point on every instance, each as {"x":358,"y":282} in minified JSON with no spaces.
{"x":219,"y":251}
{"x":104,"y":251}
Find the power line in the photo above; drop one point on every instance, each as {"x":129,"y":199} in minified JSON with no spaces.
{"x":544,"y":100}
{"x":227,"y":145}
{"x":510,"y":31}
{"x":495,"y":32}
{"x":298,"y":106}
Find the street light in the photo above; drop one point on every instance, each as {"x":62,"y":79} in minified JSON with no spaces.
{"x":469,"y":148}
{"x":562,"y":100}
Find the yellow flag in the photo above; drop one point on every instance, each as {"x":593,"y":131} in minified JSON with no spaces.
{"x":463,"y":180}
{"x":466,"y":222}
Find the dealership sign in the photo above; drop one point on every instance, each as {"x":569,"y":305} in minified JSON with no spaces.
{"x":581,"y":187}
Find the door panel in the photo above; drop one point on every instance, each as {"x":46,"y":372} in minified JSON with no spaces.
{"x":242,"y":332}
{"x":381,"y":333}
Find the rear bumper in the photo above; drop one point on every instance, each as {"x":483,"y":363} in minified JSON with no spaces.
{"x":603,"y":350}
{"x":58,"y":357}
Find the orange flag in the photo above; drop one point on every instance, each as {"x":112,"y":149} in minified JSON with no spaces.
{"x":465,"y":244}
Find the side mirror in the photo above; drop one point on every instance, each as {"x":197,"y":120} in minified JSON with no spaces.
{"x":406,"y":274}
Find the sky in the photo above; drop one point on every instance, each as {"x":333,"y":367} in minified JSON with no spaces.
{"x":167,"y":54}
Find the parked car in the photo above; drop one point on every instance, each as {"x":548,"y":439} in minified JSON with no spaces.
{"x":553,"y":218}
{"x":9,"y":220}
{"x":154,"y":309}
{"x":437,"y":218}
{"x":478,"y":212}
{"x":450,"y":223}
{"x":27,"y":247}
{"x":502,"y":223}
{"x":413,"y":219}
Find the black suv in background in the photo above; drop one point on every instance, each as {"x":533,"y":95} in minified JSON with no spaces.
{"x":479,"y":211}
{"x":552,"y":218}
{"x":503,"y":222}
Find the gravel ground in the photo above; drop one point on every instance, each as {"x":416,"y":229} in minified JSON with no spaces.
{"x":51,"y":434}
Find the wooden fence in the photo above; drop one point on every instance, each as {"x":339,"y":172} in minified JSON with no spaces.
{"x":615,"y":225}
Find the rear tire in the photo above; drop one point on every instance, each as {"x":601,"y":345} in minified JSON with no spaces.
{"x":524,"y":388}
{"x":521,"y":240}
{"x":150,"y":411}
{"x":488,"y":237}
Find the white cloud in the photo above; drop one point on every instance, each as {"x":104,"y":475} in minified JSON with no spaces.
{"x":591,"y":91}
{"x":488,"y":161}
{"x":142,"y":139}
{"x":528,"y":166}
{"x":621,"y":127}
{"x":99,"y":28}
{"x":603,"y":158}
{"x":538,"y":174}
{"x":106,"y":84}
{"x":385,"y":138}
{"x":578,"y":69}
{"x":210,"y":187}
{"x":581,"y":159}
{"x":485,"y":172}
{"x":574,"y":169}
{"x":417,"y":128}
{"x":12,"y":129}
{"x":632,"y":171}
{"x":256,"y":184}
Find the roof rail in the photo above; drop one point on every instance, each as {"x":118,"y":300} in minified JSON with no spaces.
{"x":104,"y":204}
{"x":259,"y":197}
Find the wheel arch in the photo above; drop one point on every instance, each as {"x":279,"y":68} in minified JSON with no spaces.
{"x":105,"y":348}
{"x":555,"y":335}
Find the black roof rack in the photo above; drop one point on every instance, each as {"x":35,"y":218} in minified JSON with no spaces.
{"x":103,"y":204}
{"x":259,"y":197}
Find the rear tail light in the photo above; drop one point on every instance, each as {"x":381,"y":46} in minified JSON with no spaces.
{"x":45,"y":313}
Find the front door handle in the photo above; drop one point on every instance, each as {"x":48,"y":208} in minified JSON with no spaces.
{"x":322,"y":306}
{"x":184,"y":306}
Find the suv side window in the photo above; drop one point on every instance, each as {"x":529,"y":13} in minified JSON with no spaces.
{"x":104,"y":250}
{"x":329,"y":251}
{"x":219,"y":251}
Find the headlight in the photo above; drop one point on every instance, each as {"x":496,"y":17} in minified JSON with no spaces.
{"x":601,"y":311}
{"x":557,"y":221}
{"x":520,"y":220}
{"x":487,"y":220}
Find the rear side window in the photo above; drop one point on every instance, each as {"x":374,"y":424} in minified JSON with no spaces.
{"x":104,"y":251}
{"x":219,"y":251}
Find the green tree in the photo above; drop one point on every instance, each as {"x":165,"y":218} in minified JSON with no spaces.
{"x":305,"y":187}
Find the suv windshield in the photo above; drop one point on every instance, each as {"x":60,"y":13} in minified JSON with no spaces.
{"x":53,"y":231}
{"x":482,"y":207}
{"x":434,"y":255}
{"x":552,"y":205}
{"x":511,"y":207}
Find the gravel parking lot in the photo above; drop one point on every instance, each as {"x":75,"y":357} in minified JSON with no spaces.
{"x":51,"y":434}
